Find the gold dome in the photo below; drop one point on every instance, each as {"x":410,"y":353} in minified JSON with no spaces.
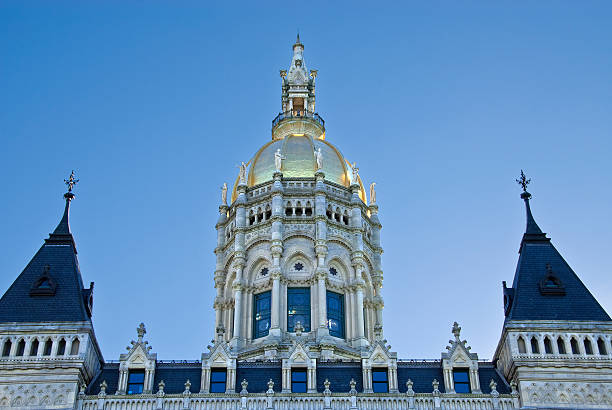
{"x":299,"y":162}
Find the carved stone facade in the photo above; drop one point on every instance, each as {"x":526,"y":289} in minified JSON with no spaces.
{"x":298,"y":308}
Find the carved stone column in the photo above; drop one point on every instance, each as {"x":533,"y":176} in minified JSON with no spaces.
{"x":275,"y":314}
{"x":276,"y":249}
{"x":359,"y":284}
{"x":238,"y":289}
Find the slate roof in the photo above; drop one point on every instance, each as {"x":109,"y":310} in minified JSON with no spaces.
{"x":257,"y":374}
{"x":574,"y":302}
{"x":339,"y":375}
{"x":68,"y":303}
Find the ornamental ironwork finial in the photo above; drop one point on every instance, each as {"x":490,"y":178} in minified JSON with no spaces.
{"x":71,"y":181}
{"x":523,"y":181}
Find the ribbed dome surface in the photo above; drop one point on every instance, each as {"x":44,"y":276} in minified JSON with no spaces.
{"x":299,"y":160}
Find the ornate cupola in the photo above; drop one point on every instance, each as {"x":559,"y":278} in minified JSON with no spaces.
{"x":298,"y":99}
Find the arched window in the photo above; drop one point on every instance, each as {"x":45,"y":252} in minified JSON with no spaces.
{"x":535,"y":348}
{"x":298,"y":209}
{"x":345,"y":218}
{"x":335,"y":313}
{"x":20,"y":348}
{"x":337,"y":215}
{"x":601,"y":346}
{"x":268,"y":212}
{"x":74,"y":349}
{"x":561,"y":345}
{"x":328,"y":212}
{"x":298,"y":308}
{"x":251,"y":217}
{"x":47,"y":348}
{"x":34,"y":348}
{"x":308,"y":209}
{"x":261,"y":314}
{"x":547,"y":345}
{"x":61,"y":347}
{"x":288,"y":209}
{"x":260,"y":215}
{"x":588,"y":347}
{"x":6,"y":350}
{"x":521,"y":345}
{"x":574,"y":344}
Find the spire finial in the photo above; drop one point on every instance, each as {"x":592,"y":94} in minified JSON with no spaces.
{"x":70,"y":182}
{"x":532,"y":227}
{"x":298,"y":37}
{"x":523,"y":182}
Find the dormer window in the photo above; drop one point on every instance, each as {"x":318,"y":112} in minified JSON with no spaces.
{"x":44,"y":285}
{"x":551,"y":284}
{"x":135,"y":384}
{"x":461,"y":379}
{"x":218,"y":379}
{"x":380,"y":381}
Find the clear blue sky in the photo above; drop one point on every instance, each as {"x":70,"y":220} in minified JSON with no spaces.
{"x":440,"y":103}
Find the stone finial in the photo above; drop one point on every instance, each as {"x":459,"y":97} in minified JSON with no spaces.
{"x":220,"y":330}
{"x":187,"y":387}
{"x":141,"y":331}
{"x":493,"y":387}
{"x":244,"y":385}
{"x":82,"y":388}
{"x":435,"y":383}
{"x":456,"y":330}
{"x":513,"y":387}
{"x":298,"y":328}
{"x":103,"y":387}
{"x":270,"y":386}
{"x":378,"y":331}
{"x":409,"y":390}
{"x":160,"y":387}
{"x":326,"y":383}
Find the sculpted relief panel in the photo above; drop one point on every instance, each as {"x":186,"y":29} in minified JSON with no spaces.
{"x":42,"y":395}
{"x":570,"y":395}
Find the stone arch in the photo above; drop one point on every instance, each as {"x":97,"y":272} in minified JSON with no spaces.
{"x":75,"y":346}
{"x":255,"y":265}
{"x":297,"y":255}
{"x":343,"y":273}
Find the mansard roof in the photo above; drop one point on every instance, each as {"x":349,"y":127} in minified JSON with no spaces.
{"x":545,"y":287}
{"x":50,"y":288}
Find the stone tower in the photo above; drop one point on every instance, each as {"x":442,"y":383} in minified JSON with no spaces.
{"x":49,"y":349}
{"x":556,"y":337}
{"x":298,"y":250}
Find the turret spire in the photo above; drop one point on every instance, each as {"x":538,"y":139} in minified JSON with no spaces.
{"x":533,"y":233}
{"x":63,"y":228}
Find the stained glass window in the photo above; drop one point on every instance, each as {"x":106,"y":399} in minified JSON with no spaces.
{"x":298,"y":308}
{"x":335,"y":314}
{"x":333,"y":271}
{"x":298,"y":266}
{"x":261,"y":314}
